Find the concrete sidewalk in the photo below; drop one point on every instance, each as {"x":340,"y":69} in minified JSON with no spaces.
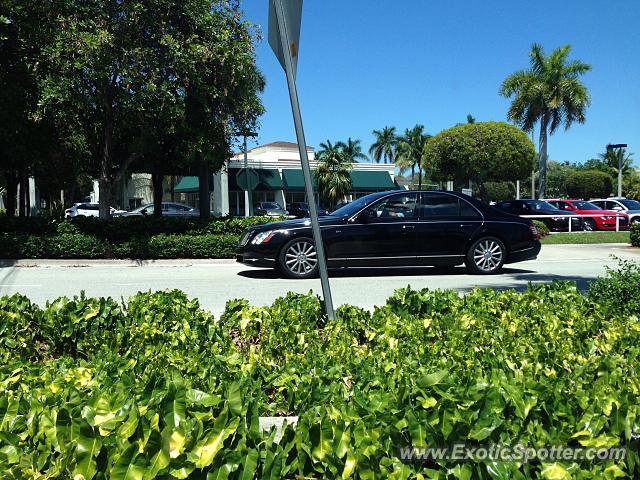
{"x":106,"y":262}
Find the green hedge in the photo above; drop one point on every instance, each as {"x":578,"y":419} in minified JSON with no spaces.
{"x":123,"y":237}
{"x":78,"y":245}
{"x":635,"y":234}
{"x":542,"y":228}
{"x":156,"y":388}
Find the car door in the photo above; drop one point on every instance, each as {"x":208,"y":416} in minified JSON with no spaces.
{"x":447,"y":225}
{"x":384,"y":234}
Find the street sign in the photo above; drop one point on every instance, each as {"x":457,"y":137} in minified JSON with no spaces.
{"x":247,"y":179}
{"x":292,"y":18}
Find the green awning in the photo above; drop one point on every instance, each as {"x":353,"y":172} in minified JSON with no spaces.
{"x":187,"y":185}
{"x":293,"y":180}
{"x":371,"y":181}
{"x":269,"y":179}
{"x":190,"y":185}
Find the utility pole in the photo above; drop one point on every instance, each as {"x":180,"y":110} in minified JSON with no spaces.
{"x":620,"y":147}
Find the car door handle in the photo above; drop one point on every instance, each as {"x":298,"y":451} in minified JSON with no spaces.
{"x":408,"y":227}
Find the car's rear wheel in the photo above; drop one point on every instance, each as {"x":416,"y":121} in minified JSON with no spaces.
{"x":589,"y":225}
{"x":486,"y":256}
{"x":299,"y":259}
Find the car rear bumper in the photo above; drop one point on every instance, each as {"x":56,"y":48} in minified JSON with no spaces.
{"x":526,"y":254}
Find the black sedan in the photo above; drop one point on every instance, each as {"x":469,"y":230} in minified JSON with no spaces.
{"x":555,"y":219}
{"x":301,"y":210}
{"x":391,"y":229}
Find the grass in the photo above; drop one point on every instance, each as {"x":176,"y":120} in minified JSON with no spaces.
{"x":586,"y":237}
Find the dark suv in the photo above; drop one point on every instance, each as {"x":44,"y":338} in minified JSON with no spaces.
{"x":554,"y":218}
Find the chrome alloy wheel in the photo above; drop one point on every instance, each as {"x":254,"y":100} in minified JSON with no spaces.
{"x":301,"y":257}
{"x":488,"y":255}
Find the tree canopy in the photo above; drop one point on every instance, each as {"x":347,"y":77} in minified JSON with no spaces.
{"x":481,"y":152}
{"x":589,"y":184}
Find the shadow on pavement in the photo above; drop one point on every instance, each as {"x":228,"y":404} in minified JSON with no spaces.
{"x":268,"y":273}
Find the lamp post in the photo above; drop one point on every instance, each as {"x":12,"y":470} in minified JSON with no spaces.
{"x":610,"y":148}
{"x":248,"y":194}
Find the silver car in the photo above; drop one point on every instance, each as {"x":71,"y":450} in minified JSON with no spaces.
{"x":169,"y":209}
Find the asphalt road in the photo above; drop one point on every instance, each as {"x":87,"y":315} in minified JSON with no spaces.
{"x":214,"y":283}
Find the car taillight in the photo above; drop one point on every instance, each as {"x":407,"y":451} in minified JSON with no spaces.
{"x":534,"y":231}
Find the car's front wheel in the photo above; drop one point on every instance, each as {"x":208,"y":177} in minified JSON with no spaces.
{"x":299,"y":259}
{"x":486,"y":256}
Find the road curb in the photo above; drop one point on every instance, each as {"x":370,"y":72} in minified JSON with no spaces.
{"x":179,"y":262}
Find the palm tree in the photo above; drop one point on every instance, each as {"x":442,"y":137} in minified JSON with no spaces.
{"x":470,"y":118}
{"x":618,"y":157}
{"x":327,"y":148}
{"x":332,"y":175}
{"x":409,"y":151}
{"x":384,"y":146}
{"x":551,"y":92}
{"x":352,"y":150}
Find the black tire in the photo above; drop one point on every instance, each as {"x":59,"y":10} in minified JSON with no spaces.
{"x":589,"y":225}
{"x":486,"y":256}
{"x":298,"y":259}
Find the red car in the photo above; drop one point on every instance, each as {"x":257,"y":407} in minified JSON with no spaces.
{"x":606,"y":220}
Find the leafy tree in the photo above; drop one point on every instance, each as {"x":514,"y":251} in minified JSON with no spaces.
{"x":589,"y":184}
{"x":352,"y":150}
{"x":557,"y":174}
{"x":481,"y":152}
{"x":118,"y":70}
{"x":409,"y":150}
{"x":498,"y":191}
{"x":470,"y":118}
{"x":384,"y":145}
{"x":332,"y":175}
{"x":551,"y":92}
{"x":595,"y":164}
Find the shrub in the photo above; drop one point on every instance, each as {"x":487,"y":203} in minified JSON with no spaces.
{"x":619,"y":290}
{"x":498,"y":191}
{"x":635,"y":234}
{"x":189,"y":246}
{"x":589,"y":184}
{"x":542,"y":229}
{"x":75,"y":245}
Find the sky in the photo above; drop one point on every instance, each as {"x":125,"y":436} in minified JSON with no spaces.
{"x":367,"y":64}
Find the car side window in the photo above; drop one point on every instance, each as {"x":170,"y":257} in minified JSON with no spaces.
{"x":436,"y":205}
{"x":396,"y":207}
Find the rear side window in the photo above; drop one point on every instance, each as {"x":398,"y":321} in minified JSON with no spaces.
{"x":434,"y":205}
{"x":89,"y":206}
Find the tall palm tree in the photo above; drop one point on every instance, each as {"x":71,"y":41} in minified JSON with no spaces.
{"x":332,"y":175}
{"x":352,"y":150}
{"x":551,"y":92}
{"x":384,"y":146}
{"x":327,"y":148}
{"x":409,"y":150}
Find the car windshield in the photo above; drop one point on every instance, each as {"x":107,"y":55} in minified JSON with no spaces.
{"x":539,"y":205}
{"x":586,"y":206}
{"x":271,"y":205}
{"x":631,"y":204}
{"x":353,"y":207}
{"x":148,"y":207}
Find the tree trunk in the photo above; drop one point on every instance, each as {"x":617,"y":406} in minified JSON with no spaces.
{"x":156,"y":180}
{"x":542,"y":157}
{"x":483,"y":192}
{"x":12,"y":193}
{"x":173,"y":188}
{"x":413,"y":172}
{"x":104,"y":180}
{"x":203,"y":190}
{"x":419,"y":177}
{"x":23,"y":209}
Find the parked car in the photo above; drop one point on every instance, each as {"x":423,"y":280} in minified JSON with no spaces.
{"x":603,"y":219}
{"x":435,"y":229}
{"x":555,"y":219}
{"x":169,"y":209}
{"x":630,"y":207}
{"x":301,"y":210}
{"x":87,"y":210}
{"x":270,"y":209}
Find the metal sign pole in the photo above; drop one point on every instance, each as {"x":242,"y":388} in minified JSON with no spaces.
{"x":306,"y":170}
{"x":247,"y":192}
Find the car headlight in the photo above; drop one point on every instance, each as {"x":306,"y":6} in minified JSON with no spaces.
{"x":263,"y":237}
